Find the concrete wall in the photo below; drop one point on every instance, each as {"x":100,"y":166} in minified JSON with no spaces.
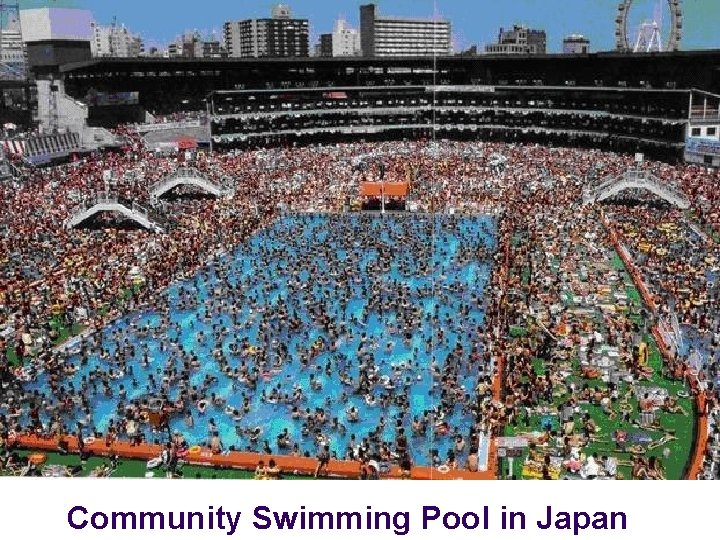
{"x":71,"y":115}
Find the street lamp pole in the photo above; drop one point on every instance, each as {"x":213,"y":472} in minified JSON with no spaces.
{"x":382,"y":195}
{"x":209,"y":121}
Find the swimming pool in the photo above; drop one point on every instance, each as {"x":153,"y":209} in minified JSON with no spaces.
{"x":318,"y":313}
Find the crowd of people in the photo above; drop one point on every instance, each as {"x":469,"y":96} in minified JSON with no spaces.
{"x":558,"y":318}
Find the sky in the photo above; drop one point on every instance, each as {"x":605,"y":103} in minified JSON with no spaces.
{"x":474,"y":22}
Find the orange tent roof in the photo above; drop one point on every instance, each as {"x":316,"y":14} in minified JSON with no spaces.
{"x":392,"y":189}
{"x":186,"y":143}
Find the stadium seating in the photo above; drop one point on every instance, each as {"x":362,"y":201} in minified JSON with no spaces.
{"x":44,"y":148}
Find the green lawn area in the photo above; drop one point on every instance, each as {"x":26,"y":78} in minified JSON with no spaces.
{"x":64,"y":333}
{"x":674,"y":455}
{"x":633,"y":295}
{"x":683,"y":426}
{"x":617,"y":262}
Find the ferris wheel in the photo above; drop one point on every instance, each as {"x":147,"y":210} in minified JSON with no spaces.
{"x":649,"y":36}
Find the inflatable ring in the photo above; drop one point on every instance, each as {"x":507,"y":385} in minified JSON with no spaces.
{"x":37,"y":459}
{"x":443,"y":469}
{"x":194,"y":450}
{"x":156,"y":404}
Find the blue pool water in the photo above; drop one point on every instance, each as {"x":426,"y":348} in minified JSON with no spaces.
{"x":298,"y":269}
{"x":694,"y":342}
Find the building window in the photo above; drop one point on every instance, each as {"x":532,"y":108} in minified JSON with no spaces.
{"x":711,"y":131}
{"x":695,"y":132}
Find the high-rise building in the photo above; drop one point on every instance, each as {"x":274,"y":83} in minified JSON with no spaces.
{"x":345,"y":39}
{"x":187,"y":45}
{"x":519,"y":40}
{"x":154,"y":52}
{"x":576,"y":44}
{"x":174,"y":50}
{"x":402,"y":36}
{"x":192,"y":45}
{"x":115,"y":41}
{"x":213,"y":49}
{"x":12,"y":48}
{"x":279,"y":36}
{"x":325,"y":46}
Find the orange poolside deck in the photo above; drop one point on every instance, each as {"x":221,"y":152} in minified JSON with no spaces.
{"x":390,"y":189}
{"x":248,"y":460}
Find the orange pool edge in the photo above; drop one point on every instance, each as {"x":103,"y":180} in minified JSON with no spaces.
{"x":701,"y":422}
{"x":245,"y":460}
